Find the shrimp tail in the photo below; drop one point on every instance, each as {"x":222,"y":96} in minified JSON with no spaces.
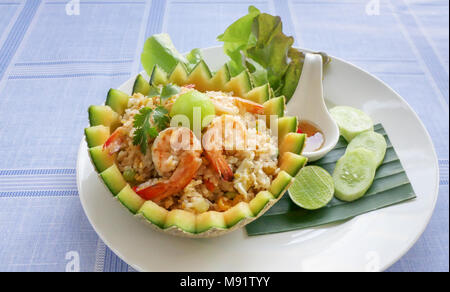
{"x":182,"y":176}
{"x":220,"y":165}
{"x":154,"y":192}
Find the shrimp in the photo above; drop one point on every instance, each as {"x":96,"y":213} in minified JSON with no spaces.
{"x":249,"y":106}
{"x":224,"y":133}
{"x":176,"y":151}
{"x":231,"y":105}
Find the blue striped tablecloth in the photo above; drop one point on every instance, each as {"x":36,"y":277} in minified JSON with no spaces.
{"x":54,"y":62}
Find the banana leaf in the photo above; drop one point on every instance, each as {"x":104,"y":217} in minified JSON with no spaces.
{"x":391,"y":186}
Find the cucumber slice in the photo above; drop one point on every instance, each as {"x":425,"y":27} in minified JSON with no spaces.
{"x":141,"y":86}
{"x":200,"y":76}
{"x":372,"y":141}
{"x":117,"y":100}
{"x":96,"y":135}
{"x":351,"y":121}
{"x":354,"y":174}
{"x":259,"y":94}
{"x":179,"y":75}
{"x":240,"y":84}
{"x":221,"y":78}
{"x":103,"y":115}
{"x":158,"y":77}
{"x":312,"y":189}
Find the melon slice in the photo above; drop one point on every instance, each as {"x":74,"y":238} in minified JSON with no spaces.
{"x":292,"y":163}
{"x":200,"y":76}
{"x":101,"y":158}
{"x":96,"y":135}
{"x":182,"y":219}
{"x":286,"y":125}
{"x":280,"y":183}
{"x":130,"y":199}
{"x":117,"y":100}
{"x":221,"y":78}
{"x":259,"y":94}
{"x":103,"y":115}
{"x":113,"y":179}
{"x":211,"y":219}
{"x":179,"y":75}
{"x":154,"y":213}
{"x":237,"y":213}
{"x":292,"y":142}
{"x":158,"y":77}
{"x":141,"y":86}
{"x":260,"y":201}
{"x":275,"y":106}
{"x":240,"y":84}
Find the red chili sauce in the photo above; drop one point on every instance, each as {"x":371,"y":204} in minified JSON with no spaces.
{"x":315,"y":138}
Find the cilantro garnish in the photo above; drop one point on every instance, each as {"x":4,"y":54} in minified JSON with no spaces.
{"x":161,"y":118}
{"x":148,"y":123}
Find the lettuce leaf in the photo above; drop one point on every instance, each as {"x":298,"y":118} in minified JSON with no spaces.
{"x":159,"y":50}
{"x":256,"y":42}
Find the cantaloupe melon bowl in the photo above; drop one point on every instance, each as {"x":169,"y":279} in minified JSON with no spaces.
{"x":106,"y":119}
{"x":202,"y":191}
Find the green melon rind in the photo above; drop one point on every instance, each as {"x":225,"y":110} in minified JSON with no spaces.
{"x":103,"y":115}
{"x":96,"y":135}
{"x":117,"y":100}
{"x":286,"y":125}
{"x":259,"y":94}
{"x":292,"y":163}
{"x":113,"y":179}
{"x":260,"y":201}
{"x":275,"y":106}
{"x":100,"y":158}
{"x":293,"y":142}
{"x":220,"y":78}
{"x":237,"y":213}
{"x":179,"y":75}
{"x":209,"y":220}
{"x":240,"y":84}
{"x":141,"y":86}
{"x":128,"y":197}
{"x":154,"y":213}
{"x":136,"y":204}
{"x":200,"y":76}
{"x":280,"y":183}
{"x":158,"y":77}
{"x":182,"y":219}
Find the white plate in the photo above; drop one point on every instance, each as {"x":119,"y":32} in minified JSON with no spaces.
{"x":372,"y":241}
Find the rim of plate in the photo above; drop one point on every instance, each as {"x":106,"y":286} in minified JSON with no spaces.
{"x":388,"y":263}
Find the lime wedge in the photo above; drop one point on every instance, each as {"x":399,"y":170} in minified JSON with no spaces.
{"x":312,"y":189}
